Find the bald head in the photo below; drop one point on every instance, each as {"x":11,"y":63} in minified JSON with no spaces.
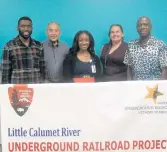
{"x":144,"y":18}
{"x":53,"y":31}
{"x":144,"y":26}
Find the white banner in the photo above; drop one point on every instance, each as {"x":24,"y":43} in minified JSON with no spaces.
{"x":125,"y":116}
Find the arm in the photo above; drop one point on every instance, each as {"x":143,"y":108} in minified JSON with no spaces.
{"x":6,"y":66}
{"x":128,"y":61}
{"x":98,"y":67}
{"x":129,"y":73}
{"x":164,"y":74}
{"x":163,"y":60}
{"x":102,"y":58}
{"x":42,"y":66}
{"x":67,"y":68}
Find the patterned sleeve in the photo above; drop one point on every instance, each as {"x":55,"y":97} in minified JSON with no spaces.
{"x":127,"y":58}
{"x":43,"y":65}
{"x":163,"y":55}
{"x":6,"y":66}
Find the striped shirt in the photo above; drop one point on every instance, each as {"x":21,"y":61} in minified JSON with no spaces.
{"x":23,"y":64}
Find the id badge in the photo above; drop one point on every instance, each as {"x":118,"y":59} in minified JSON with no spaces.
{"x":93,"y":69}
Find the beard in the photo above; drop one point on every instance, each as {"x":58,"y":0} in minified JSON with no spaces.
{"x":25,"y":36}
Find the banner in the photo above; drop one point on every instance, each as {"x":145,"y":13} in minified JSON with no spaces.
{"x":98,"y":117}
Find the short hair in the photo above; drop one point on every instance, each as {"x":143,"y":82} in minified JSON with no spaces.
{"x":53,"y":23}
{"x":24,"y":18}
{"x":120,"y":26}
{"x":75,"y":47}
{"x":146,"y":18}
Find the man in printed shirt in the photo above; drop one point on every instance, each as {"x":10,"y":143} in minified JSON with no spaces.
{"x":23,"y":57}
{"x":146,"y":57}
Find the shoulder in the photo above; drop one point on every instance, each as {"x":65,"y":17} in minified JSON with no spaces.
{"x":132,"y":45}
{"x":104,"y":48}
{"x":63,"y":44}
{"x":10,"y":44}
{"x":123,"y":47}
{"x":64,"y":47}
{"x":106,"y":45}
{"x":124,"y":44}
{"x":96,"y":58}
{"x":45,"y":43}
{"x":133,"y":42}
{"x":157,"y":42}
{"x":70,"y":56}
{"x":37,"y":44}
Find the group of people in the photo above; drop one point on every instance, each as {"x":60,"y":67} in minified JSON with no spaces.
{"x":26,"y":60}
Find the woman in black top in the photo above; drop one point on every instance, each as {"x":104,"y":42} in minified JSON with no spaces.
{"x":112,"y":55}
{"x":81,"y":61}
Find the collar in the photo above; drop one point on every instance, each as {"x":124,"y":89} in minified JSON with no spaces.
{"x":109,"y":44}
{"x":145,"y":44}
{"x":19,"y":42}
{"x":50,"y":43}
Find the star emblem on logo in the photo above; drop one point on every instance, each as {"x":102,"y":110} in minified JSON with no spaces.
{"x":153,"y":93}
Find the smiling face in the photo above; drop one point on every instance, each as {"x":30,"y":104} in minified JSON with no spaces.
{"x":144,"y":27}
{"x":83,"y":41}
{"x":53,"y":32}
{"x":25,"y":28}
{"x":116,"y":34}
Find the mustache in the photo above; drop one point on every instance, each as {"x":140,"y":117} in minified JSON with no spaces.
{"x":21,"y":33}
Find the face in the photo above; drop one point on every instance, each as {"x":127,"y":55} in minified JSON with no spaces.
{"x":53,"y":32}
{"x":25,"y":28}
{"x":83,"y":41}
{"x":144,"y":27}
{"x":116,"y":34}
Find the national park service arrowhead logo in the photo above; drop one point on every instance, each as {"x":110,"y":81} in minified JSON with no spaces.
{"x":20,"y":97}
